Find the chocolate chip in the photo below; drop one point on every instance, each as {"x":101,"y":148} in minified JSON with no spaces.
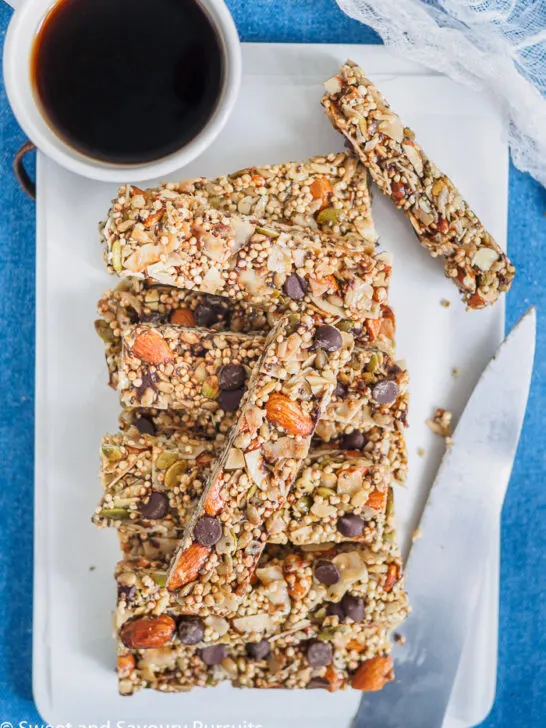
{"x":153,"y":318}
{"x":191,"y":630}
{"x":328,"y":338}
{"x":258,"y":650}
{"x":318,"y":683}
{"x":385,"y":392}
{"x":231,"y":377}
{"x":340,"y":390}
{"x":351,"y":526}
{"x":156,"y":507}
{"x":319,"y":653}
{"x":129,"y":592}
{"x":230,"y":401}
{"x":327,"y":573}
{"x":148,"y":382}
{"x":353,"y":607}
{"x":353,"y":441}
{"x":295,"y":287}
{"x":213,"y":655}
{"x":207,"y":531}
{"x":145,"y":425}
{"x":334,"y":609}
{"x":132,"y":314}
{"x":206,"y":314}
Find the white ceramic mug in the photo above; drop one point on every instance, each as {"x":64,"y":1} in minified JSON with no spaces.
{"x":18,"y":46}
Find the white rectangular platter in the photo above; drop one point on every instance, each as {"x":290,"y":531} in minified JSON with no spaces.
{"x":278,"y":117}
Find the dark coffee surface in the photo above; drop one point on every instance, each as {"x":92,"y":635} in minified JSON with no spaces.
{"x":127,"y":81}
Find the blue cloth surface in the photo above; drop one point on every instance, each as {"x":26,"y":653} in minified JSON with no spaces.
{"x":522,"y":660}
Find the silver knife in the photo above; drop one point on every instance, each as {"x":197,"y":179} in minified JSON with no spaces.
{"x":446,"y":565}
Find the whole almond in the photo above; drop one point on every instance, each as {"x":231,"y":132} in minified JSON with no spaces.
{"x":152,"y":348}
{"x":183,"y":317}
{"x":373,"y":674}
{"x":188,"y":564}
{"x":144,"y":633}
{"x":285,"y":413}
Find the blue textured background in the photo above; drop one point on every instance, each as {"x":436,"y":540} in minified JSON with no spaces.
{"x":522,"y":666}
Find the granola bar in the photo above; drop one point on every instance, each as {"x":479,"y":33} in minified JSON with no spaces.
{"x":203,"y":370}
{"x":134,"y":301}
{"x":338,"y":495}
{"x":443,"y":221}
{"x":151,"y":482}
{"x":316,"y":590}
{"x":287,"y":394}
{"x":187,"y":244}
{"x":360,"y":660}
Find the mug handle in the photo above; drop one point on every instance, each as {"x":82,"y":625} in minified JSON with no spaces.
{"x":27,"y":184}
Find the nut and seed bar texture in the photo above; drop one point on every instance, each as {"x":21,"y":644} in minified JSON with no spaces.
{"x":170,"y":367}
{"x":318,"y":590}
{"x":349,"y":658}
{"x":287,"y":394}
{"x":150,"y":482}
{"x":443,"y":221}
{"x":329,"y":193}
{"x":335,"y":435}
{"x":134,"y":301}
{"x":338,"y":495}
{"x":138,"y":302}
{"x":282,"y":268}
{"x":203,"y":424}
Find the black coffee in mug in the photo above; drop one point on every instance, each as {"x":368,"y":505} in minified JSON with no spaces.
{"x":127,"y":81}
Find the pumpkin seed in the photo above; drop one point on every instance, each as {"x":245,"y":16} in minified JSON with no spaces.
{"x":160,"y":578}
{"x":346,"y":326}
{"x":327,"y":634}
{"x":304,"y":504}
{"x":373,"y":364}
{"x":328,"y":216}
{"x":210,"y":388}
{"x":116,"y":256}
{"x":173,"y":474}
{"x":165,"y":459}
{"x":267,"y":231}
{"x":112,"y":453}
{"x":390,"y":503}
{"x":117,"y":514}
{"x":104,"y":330}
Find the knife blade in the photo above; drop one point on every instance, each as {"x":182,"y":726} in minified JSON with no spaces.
{"x":445,"y":566}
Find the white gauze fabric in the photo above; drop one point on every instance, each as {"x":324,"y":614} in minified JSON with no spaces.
{"x":496,"y":45}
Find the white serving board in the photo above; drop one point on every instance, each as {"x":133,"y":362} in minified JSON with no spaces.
{"x":277,"y":118}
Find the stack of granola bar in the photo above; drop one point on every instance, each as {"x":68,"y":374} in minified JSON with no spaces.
{"x":262,"y":431}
